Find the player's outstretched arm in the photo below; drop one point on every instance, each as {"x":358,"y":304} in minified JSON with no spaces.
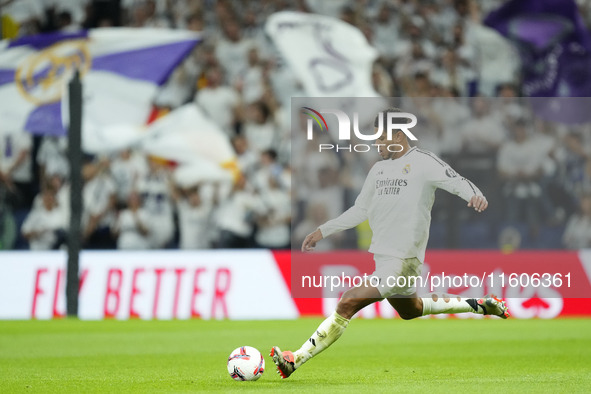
{"x":478,"y":202}
{"x":310,"y":241}
{"x":444,"y":177}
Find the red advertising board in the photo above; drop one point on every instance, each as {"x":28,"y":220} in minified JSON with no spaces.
{"x":565,"y":291}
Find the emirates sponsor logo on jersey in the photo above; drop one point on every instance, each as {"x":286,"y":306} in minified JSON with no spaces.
{"x":390,"y":186}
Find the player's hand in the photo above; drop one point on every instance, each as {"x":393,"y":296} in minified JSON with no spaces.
{"x":479,"y":203}
{"x":310,"y":241}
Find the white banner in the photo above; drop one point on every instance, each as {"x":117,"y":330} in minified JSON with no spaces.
{"x":330,"y":57}
{"x":162,"y":285}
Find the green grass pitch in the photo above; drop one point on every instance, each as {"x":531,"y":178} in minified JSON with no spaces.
{"x":451,"y":355}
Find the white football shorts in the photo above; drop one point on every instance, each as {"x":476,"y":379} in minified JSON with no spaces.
{"x":396,"y":276}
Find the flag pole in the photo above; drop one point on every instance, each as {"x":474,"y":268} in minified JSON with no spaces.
{"x":75,"y":159}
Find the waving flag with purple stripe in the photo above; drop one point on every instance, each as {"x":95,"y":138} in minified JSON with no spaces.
{"x":122,"y":70}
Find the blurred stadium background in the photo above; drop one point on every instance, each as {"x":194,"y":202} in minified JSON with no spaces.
{"x":238,"y":78}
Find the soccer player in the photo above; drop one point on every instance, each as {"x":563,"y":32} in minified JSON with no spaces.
{"x":396,"y":197}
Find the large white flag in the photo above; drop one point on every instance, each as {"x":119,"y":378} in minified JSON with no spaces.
{"x":330,"y":57}
{"x":121,"y":68}
{"x":186,"y":133}
{"x":188,"y":137}
{"x":185,"y":136}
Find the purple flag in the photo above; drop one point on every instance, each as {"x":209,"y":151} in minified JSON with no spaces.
{"x":555,"y":49}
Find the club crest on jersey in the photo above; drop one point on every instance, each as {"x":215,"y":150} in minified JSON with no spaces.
{"x":406,"y":169}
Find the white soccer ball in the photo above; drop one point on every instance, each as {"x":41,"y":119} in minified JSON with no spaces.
{"x":246,"y":363}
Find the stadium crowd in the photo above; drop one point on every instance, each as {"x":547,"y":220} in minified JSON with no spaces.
{"x":536,"y":174}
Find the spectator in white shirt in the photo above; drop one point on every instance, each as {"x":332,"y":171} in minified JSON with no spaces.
{"x":484,"y":132}
{"x":452,"y":73}
{"x":508,"y":107}
{"x":259,"y":127}
{"x":194,"y":219}
{"x":269,"y":167}
{"x":413,"y":62}
{"x":247,"y":158}
{"x":100,"y":200}
{"x":153,"y":19}
{"x":452,"y":114}
{"x":520,"y":165}
{"x":273,"y":224}
{"x":386,"y":32}
{"x":234,"y":217}
{"x":127,"y":170}
{"x":252,"y":79}
{"x":62,"y":194}
{"x":465,"y":52}
{"x":155,"y":189}
{"x":45,"y":226}
{"x":180,"y":87}
{"x":232,"y":51}
{"x":219,"y":102}
{"x":131,"y":227}
{"x":52,"y":156}
{"x":577,"y":234}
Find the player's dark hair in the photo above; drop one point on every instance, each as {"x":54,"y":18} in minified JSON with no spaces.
{"x":384,"y":115}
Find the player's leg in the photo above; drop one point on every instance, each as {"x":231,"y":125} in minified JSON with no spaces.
{"x":400,"y":277}
{"x":434,"y":304}
{"x":329,"y":330}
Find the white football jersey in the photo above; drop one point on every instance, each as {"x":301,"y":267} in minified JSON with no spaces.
{"x":397,"y":197}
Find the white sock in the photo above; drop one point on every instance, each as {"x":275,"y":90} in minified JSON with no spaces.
{"x":327,"y":333}
{"x":449,"y":303}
